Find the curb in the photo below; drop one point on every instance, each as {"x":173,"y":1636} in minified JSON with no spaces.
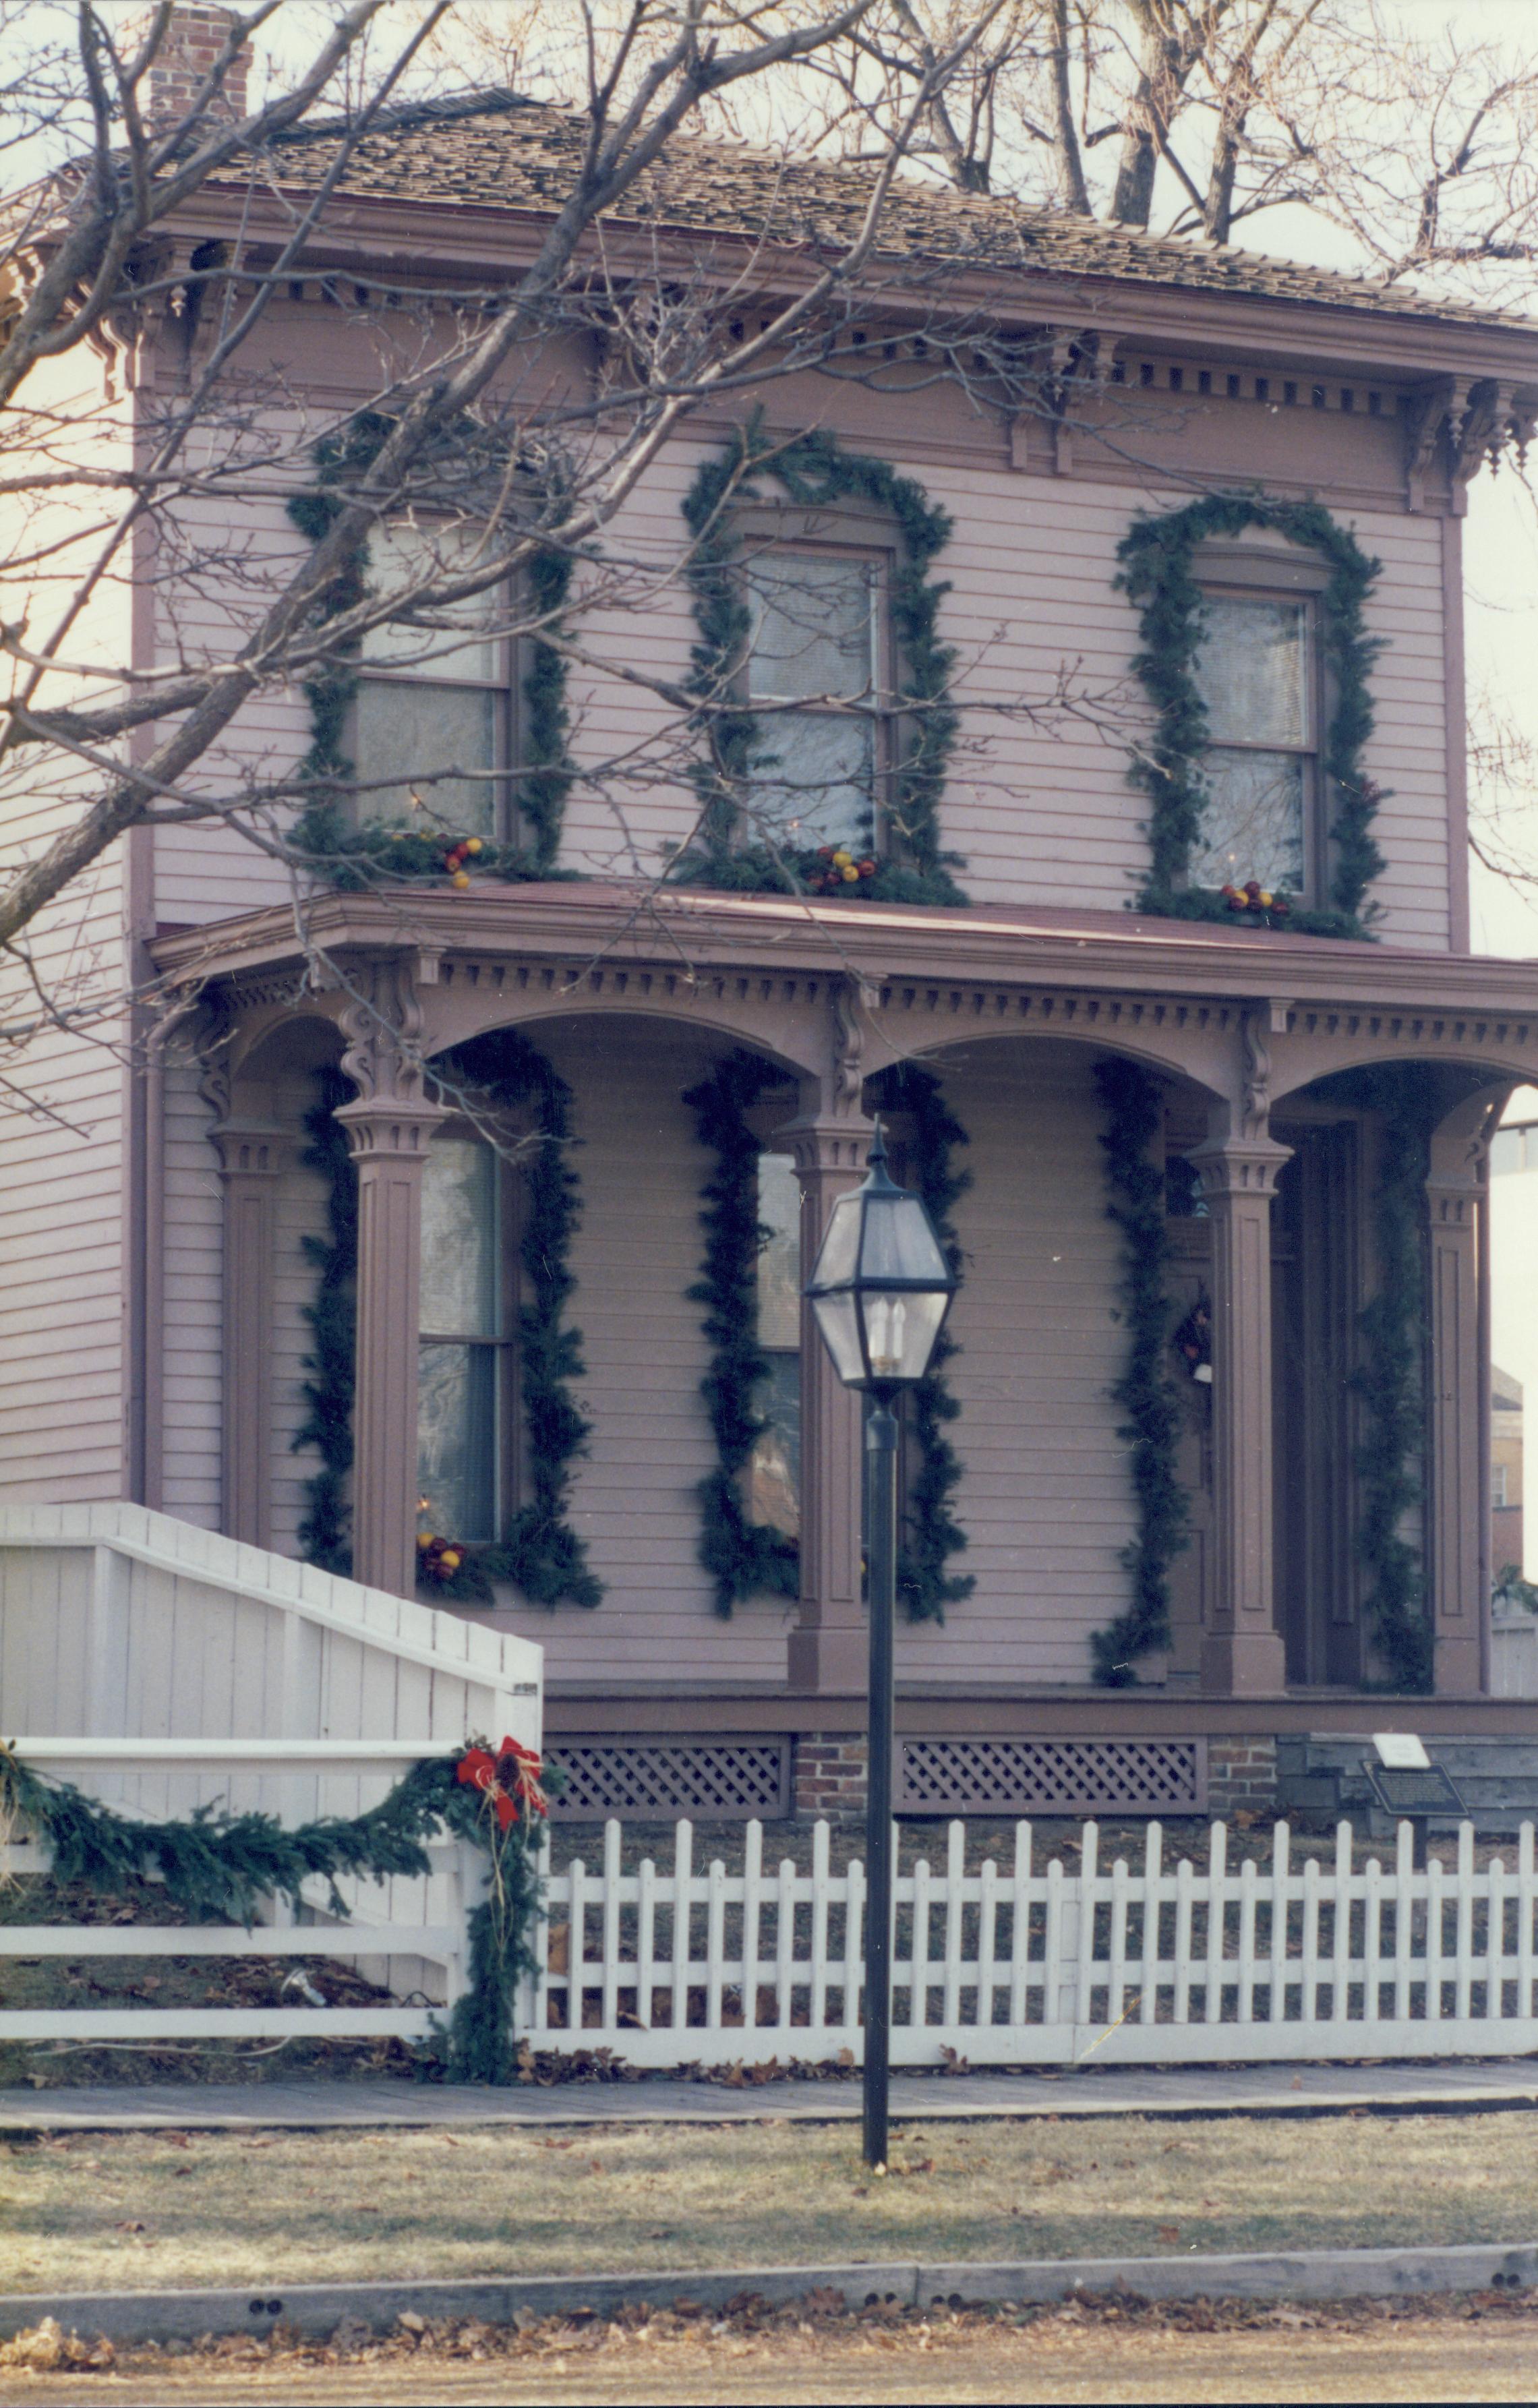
{"x":318,"y":2308}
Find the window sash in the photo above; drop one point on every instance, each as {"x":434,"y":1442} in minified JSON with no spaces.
{"x":465,"y":1355}
{"x":1287,"y":853}
{"x":837,"y":799}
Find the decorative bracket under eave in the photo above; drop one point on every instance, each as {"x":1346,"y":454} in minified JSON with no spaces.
{"x":1463,"y":423}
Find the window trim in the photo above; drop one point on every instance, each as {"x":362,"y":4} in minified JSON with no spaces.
{"x":505,"y":685}
{"x":851,"y":537}
{"x":1253,"y":573}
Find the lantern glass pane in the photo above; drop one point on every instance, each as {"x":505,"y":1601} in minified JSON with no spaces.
{"x":899,"y":1243}
{"x":840,"y":1335}
{"x":837,"y":1254}
{"x":900,"y":1331}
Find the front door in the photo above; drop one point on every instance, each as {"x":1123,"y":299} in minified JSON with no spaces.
{"x":1314,"y":1301}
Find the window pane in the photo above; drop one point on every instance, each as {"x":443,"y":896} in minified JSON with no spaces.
{"x":403,"y":732}
{"x":459,"y":1239}
{"x":402,"y":558}
{"x":812,"y":625}
{"x":1253,"y":671}
{"x":457,"y":1439}
{"x":780,"y":1258}
{"x":819,"y":791}
{"x":1252,"y":823}
{"x":774,"y":1468}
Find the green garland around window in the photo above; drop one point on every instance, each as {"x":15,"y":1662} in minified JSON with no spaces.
{"x":352,"y":857}
{"x":332,"y":1326}
{"x":541,"y":1552}
{"x":815,"y":472}
{"x":1391,"y":1378}
{"x":932,"y":1534}
{"x":1145,"y":1391}
{"x":227,"y":1865}
{"x":743,"y":1558}
{"x":1159,"y":575}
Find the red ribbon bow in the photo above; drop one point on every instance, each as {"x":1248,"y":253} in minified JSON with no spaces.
{"x":510,"y":1780}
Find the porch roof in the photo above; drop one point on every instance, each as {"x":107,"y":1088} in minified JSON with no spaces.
{"x":588,"y":927}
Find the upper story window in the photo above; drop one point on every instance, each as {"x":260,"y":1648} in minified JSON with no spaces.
{"x":1259,"y":679}
{"x":433,"y":700}
{"x":463,"y":1359}
{"x":815,"y":649}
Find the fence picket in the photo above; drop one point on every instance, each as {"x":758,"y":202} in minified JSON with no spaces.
{"x":752,"y":1892}
{"x":612,"y":1860}
{"x":646,"y":1939}
{"x":680,"y":1895}
{"x":1524,"y":1920}
{"x":1217,"y":1899}
{"x":955,"y":1868}
{"x":918,"y":1995}
{"x":1020,"y":1928}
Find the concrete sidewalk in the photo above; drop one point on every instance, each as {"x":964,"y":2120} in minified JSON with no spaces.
{"x":1460,"y":2087}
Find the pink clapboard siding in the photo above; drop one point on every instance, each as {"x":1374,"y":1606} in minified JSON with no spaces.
{"x":1040,"y":806}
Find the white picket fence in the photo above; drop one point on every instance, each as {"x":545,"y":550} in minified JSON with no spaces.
{"x":407,"y":1932}
{"x":1158,"y":1964}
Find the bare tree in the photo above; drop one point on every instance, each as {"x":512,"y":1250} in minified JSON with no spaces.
{"x":1201,"y":117}
{"x":505,"y":465}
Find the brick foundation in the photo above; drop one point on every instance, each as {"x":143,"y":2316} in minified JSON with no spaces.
{"x":828,"y":1779}
{"x":1241,"y":1773}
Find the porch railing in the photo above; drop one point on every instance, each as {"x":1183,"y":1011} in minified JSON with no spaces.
{"x":1016,"y":1964}
{"x":406,"y":1934}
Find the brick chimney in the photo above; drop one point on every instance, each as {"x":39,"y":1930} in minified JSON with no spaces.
{"x":193,"y":40}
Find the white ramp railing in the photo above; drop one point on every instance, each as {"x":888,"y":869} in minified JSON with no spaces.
{"x":409,"y":1931}
{"x":1014,"y":1965}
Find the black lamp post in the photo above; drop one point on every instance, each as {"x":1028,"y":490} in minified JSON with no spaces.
{"x":879,"y":1289}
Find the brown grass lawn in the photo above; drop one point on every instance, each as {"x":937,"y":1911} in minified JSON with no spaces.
{"x":93,"y":2212}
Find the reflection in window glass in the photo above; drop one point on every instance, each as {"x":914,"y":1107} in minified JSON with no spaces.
{"x":440,"y":706}
{"x":1252,"y":824}
{"x":774,"y":1468}
{"x":457,"y":1374}
{"x":459,"y":1239}
{"x":457,"y":1439}
{"x":814,"y":637}
{"x":1254,"y":678}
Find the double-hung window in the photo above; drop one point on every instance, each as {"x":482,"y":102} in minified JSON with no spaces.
{"x":814,"y":656}
{"x":774,"y":1468}
{"x":463,"y":1355}
{"x":431,"y":718}
{"x":1257,"y":675}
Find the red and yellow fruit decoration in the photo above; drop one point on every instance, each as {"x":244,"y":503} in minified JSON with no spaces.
{"x":1257,"y":901}
{"x":437,"y":1560}
{"x":833,"y":870}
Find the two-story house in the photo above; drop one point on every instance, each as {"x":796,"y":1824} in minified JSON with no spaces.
{"x":1167,"y":1001}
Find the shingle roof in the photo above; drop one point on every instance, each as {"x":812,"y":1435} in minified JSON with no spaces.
{"x":492,"y":151}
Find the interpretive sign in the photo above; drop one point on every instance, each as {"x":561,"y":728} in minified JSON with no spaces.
{"x":1414,"y":1789}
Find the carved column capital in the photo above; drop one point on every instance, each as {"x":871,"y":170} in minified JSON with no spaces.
{"x":387,"y":1129}
{"x":1233,"y":1166}
{"x":253,"y":1149}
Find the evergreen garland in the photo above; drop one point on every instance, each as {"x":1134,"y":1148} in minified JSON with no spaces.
{"x":332,"y":1316}
{"x":743,"y":1558}
{"x":541,"y":1552}
{"x":1158,"y":574}
{"x":1145,"y":1392}
{"x":217,"y":1864}
{"x":352,"y":857}
{"x":815,"y":471}
{"x":1391,"y":1378}
{"x":932,"y":1534}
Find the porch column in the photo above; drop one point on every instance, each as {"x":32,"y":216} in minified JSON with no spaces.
{"x":389,"y":1145}
{"x":1457,"y":1479}
{"x":252,"y":1157}
{"x":827,"y":1648}
{"x":1243,"y":1655}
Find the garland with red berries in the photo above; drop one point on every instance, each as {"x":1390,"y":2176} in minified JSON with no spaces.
{"x":1159,"y":575}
